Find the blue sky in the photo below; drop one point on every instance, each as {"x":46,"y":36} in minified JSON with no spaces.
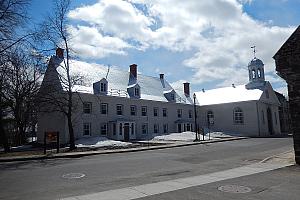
{"x":206,"y":43}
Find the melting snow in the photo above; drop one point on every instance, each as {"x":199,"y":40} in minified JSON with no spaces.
{"x":190,"y":136}
{"x":99,"y":142}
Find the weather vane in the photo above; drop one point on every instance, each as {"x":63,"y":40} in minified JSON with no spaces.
{"x":254,"y":50}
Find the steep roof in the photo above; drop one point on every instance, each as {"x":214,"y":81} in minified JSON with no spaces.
{"x":152,"y":88}
{"x":227,"y":95}
{"x":290,"y":46}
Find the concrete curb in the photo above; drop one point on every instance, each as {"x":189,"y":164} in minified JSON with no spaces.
{"x":90,"y":153}
{"x":282,"y":156}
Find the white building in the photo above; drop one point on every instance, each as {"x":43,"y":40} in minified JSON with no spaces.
{"x":126,"y":105}
{"x":118,"y":104}
{"x":250,"y":109}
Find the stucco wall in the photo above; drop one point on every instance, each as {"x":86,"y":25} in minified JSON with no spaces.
{"x":223,"y":118}
{"x":53,"y":121}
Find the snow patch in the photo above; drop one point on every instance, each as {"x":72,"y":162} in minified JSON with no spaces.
{"x":100,"y":142}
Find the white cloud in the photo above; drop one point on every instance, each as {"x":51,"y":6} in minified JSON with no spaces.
{"x":219,"y":31}
{"x":88,"y":42}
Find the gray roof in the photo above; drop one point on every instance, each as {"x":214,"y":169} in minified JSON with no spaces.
{"x":151,"y":88}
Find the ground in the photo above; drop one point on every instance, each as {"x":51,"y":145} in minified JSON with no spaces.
{"x":44,"y":179}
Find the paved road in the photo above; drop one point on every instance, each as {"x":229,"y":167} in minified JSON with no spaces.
{"x":43,"y":179}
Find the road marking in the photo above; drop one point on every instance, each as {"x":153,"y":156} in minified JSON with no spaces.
{"x":177,"y":184}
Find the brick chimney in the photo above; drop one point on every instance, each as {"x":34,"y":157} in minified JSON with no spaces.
{"x":133,"y":70}
{"x":186,"y":89}
{"x":161,"y":76}
{"x":60,"y":52}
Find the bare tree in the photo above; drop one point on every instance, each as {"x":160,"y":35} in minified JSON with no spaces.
{"x":12,"y":16}
{"x":55,"y":32}
{"x":22,"y":85}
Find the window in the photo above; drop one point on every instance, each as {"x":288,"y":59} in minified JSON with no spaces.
{"x":172,"y":96}
{"x":210,"y":117}
{"x":87,"y":107}
{"x":103,"y":87}
{"x":104,"y":108}
{"x":259,"y":73}
{"x":120,"y":129}
{"x":238,"y":116}
{"x":103,"y":129}
{"x":144,"y":128}
{"x":253,"y":74}
{"x":275,"y":114}
{"x":155,"y":112}
{"x":86,"y":128}
{"x":156,"y":128}
{"x":136,"y":91}
{"x":133,"y":110}
{"x":263,"y":116}
{"x":179,"y":113}
{"x":165,"y":112}
{"x":190,"y":114}
{"x":188,"y":127}
{"x":119,"y":109}
{"x":144,"y":110}
{"x":132,"y":129}
{"x":165,"y":127}
{"x":114,"y":128}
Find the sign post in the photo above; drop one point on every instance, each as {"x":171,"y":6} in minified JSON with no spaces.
{"x":51,"y":137}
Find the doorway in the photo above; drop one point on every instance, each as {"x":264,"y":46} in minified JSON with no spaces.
{"x":126,"y":132}
{"x":179,"y":128}
{"x":270,"y":121}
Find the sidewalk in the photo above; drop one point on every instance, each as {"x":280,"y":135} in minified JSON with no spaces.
{"x":98,"y":152}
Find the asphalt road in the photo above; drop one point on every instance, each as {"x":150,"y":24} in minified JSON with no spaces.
{"x":44,"y":179}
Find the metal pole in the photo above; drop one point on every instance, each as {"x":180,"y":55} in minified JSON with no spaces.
{"x":194,"y":96}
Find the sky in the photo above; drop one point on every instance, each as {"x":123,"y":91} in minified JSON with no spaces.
{"x":206,"y":43}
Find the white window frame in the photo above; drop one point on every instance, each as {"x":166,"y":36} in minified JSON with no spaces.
{"x":156,"y":128}
{"x":144,"y":111}
{"x":103,"y":87}
{"x":103,"y":128}
{"x":210,"y":115}
{"x":165,"y":112}
{"x":190,"y":114}
{"x":119,"y":110}
{"x":179,"y":113}
{"x":165,"y":128}
{"x":88,"y":109}
{"x":87,"y":126}
{"x":155,"y":112}
{"x":172,"y":96}
{"x":144,"y":128}
{"x":133,"y":110}
{"x":238,"y":116}
{"x":106,"y":110}
{"x":136,"y":91}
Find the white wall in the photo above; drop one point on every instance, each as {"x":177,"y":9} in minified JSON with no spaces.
{"x":96,"y":118}
{"x":223,"y":118}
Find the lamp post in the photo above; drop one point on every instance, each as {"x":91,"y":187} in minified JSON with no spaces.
{"x":194,"y":96}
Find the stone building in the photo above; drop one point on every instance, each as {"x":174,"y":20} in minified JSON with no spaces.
{"x":284,"y":116}
{"x":287,"y":61}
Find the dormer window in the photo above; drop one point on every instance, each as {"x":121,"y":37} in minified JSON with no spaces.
{"x":100,"y":87}
{"x":172,"y":96}
{"x":137,"y":91}
{"x":103,"y":87}
{"x":134,"y":90}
